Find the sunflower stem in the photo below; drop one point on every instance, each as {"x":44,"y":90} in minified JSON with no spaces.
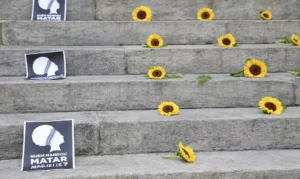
{"x":172,"y":157}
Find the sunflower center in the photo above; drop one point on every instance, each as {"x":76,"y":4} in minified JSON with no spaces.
{"x":168,"y":109}
{"x":255,"y":69}
{"x":154,"y":42}
{"x":205,"y":15}
{"x":186,"y":152}
{"x":271,"y":106}
{"x":157,"y":73}
{"x":226,"y":41}
{"x":266,"y":15}
{"x":141,"y":15}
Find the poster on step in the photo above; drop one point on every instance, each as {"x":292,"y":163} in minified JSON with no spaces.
{"x":48,"y":145}
{"x":49,"y":10}
{"x":45,"y":65}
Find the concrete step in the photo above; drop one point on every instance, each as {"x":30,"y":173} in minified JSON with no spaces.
{"x":80,"y":60}
{"x":92,"y":60}
{"x":21,"y":10}
{"x":188,"y":9}
{"x":84,"y":33}
{"x":130,"y":132}
{"x":277,"y":164}
{"x":85,"y":93}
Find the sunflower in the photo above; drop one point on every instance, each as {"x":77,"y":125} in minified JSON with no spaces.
{"x":206,"y":14}
{"x":271,"y":105}
{"x":255,"y":68}
{"x":168,"y":109}
{"x":186,"y":153}
{"x":266,"y":15}
{"x":156,"y":72}
{"x":142,"y":13}
{"x":155,"y":41}
{"x":295,"y":40}
{"x":227,"y":40}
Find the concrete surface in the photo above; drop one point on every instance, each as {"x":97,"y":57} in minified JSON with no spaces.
{"x":124,"y":132}
{"x":297,"y":90}
{"x":80,"y":60}
{"x":90,"y":60}
{"x":127,"y":92}
{"x":84,"y":33}
{"x":172,"y":10}
{"x":21,"y":10}
{"x":278,"y":164}
{"x":211,"y":59}
{"x":11,"y":132}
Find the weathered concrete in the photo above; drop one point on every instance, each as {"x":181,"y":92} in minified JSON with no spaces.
{"x":11,"y":132}
{"x":281,"y":164}
{"x":210,"y":59}
{"x":135,"y":92}
{"x":204,"y":129}
{"x":80,"y":60}
{"x":132,"y":33}
{"x":188,"y":9}
{"x":21,"y":10}
{"x":1,"y":42}
{"x":297,"y":90}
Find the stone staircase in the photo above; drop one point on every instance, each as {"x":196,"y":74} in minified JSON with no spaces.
{"x":118,"y":132}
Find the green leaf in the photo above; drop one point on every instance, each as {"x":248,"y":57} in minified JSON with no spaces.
{"x":286,"y":40}
{"x":235,"y":45}
{"x":145,"y":46}
{"x":203,"y":79}
{"x":164,"y":45}
{"x":147,"y":77}
{"x":284,"y":107}
{"x":177,"y":75}
{"x":237,"y":74}
{"x":296,"y":73}
{"x":248,"y":59}
{"x":265,"y":112}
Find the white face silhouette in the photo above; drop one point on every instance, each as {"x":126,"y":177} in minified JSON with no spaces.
{"x":46,"y":135}
{"x":43,"y":65}
{"x":54,"y":7}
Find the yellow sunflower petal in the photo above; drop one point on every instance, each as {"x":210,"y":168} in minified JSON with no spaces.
{"x":156,"y":72}
{"x":227,"y":41}
{"x":168,"y":109}
{"x":188,"y":154}
{"x":266,"y":15}
{"x":255,"y":69}
{"x":271,"y":105}
{"x":155,"y":41}
{"x":295,"y":40}
{"x":206,"y":14}
{"x":142,"y":13}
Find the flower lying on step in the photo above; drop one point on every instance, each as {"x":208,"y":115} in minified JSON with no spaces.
{"x":168,"y":109}
{"x":271,"y":105}
{"x":142,"y":13}
{"x":185,"y":153}
{"x":293,"y":40}
{"x":206,"y":14}
{"x":227,"y":41}
{"x":154,"y":41}
{"x":266,"y":15}
{"x":158,"y":73}
{"x":253,"y":68}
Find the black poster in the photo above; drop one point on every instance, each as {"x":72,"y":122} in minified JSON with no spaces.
{"x":45,"y":66}
{"x":49,"y":10}
{"x":48,"y":145}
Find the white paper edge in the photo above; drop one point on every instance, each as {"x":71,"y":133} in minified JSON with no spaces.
{"x":23,"y":155}
{"x":65,"y":13}
{"x":73,"y":144}
{"x":33,"y":2}
{"x":26,"y":65}
{"x":65,"y":64}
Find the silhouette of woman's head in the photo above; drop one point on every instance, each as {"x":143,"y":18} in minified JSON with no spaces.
{"x":43,"y":65}
{"x":53,"y":5}
{"x":46,"y":135}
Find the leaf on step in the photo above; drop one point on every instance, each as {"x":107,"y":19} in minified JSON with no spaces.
{"x":237,"y":74}
{"x":176,"y":75}
{"x":296,"y":72}
{"x":145,"y":45}
{"x":203,"y":79}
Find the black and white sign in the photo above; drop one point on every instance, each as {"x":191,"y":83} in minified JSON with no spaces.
{"x":48,"y":145}
{"x":49,"y":10}
{"x":46,"y":66}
